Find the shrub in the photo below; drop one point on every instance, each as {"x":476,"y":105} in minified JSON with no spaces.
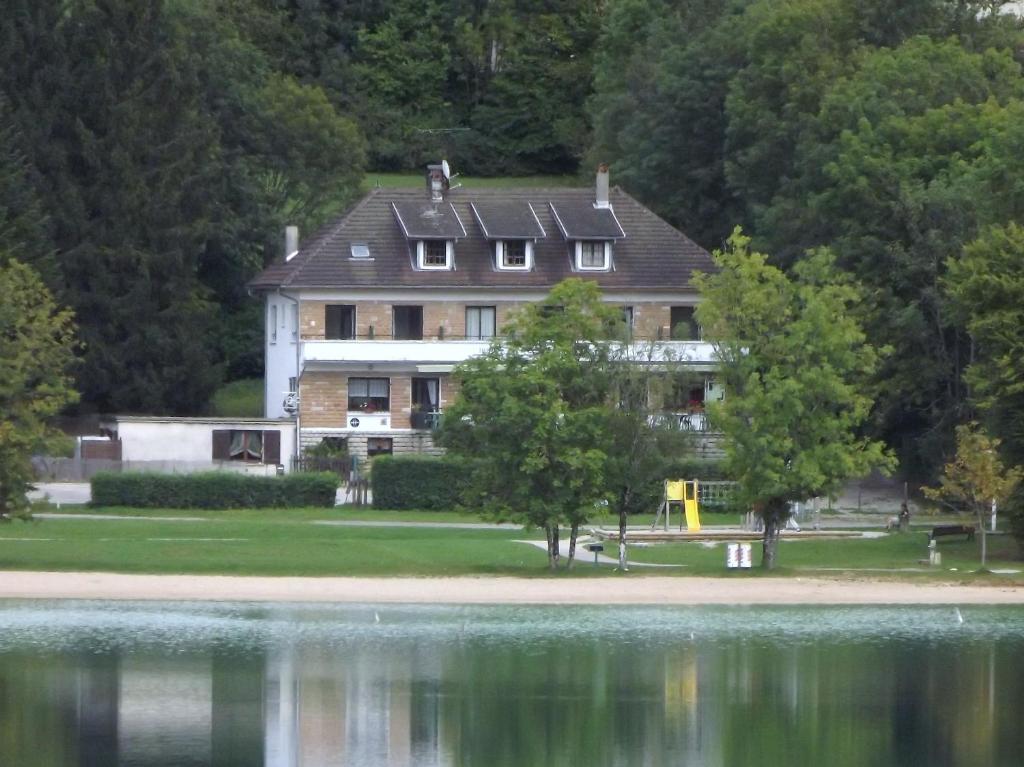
{"x":212,"y":490}
{"x":417,"y":482}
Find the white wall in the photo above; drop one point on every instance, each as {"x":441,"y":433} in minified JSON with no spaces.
{"x":280,"y":352}
{"x":187,"y":444}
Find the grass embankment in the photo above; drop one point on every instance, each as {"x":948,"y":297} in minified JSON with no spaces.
{"x":275,"y":542}
{"x":238,"y":399}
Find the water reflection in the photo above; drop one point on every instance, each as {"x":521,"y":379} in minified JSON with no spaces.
{"x":293,"y":686}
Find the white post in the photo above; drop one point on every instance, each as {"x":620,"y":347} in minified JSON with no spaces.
{"x":993,"y":525}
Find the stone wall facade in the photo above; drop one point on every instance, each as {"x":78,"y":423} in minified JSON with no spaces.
{"x":323,"y":397}
{"x":406,"y":442}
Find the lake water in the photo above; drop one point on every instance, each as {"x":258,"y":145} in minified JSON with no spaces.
{"x":281,"y":685}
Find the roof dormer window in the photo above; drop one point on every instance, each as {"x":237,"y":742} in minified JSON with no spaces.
{"x":434,"y":254}
{"x":593,"y":255}
{"x":514,"y":255}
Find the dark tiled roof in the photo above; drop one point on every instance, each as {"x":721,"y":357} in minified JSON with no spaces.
{"x":507,"y":219}
{"x":423,"y":220}
{"x":580,"y":220}
{"x":652,"y":254}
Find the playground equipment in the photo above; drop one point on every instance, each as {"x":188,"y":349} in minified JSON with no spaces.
{"x":681,"y":494}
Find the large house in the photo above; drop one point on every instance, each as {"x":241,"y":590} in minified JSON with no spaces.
{"x":366,"y":319}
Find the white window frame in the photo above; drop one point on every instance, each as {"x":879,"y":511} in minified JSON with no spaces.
{"x":607,"y":256}
{"x":295,"y":322}
{"x":499,"y":252}
{"x":449,"y":252}
{"x":273,"y":323}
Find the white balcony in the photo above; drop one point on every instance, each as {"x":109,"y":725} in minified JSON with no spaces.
{"x":432,"y":356}
{"x":442,"y":356}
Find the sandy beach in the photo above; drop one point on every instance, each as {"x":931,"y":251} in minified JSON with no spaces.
{"x":467,"y":590}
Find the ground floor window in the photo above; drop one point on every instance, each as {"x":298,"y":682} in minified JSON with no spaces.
{"x":369,"y":395}
{"x":248,"y":445}
{"x":379,"y":446}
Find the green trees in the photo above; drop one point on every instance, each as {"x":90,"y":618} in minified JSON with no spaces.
{"x":165,"y":154}
{"x":975,"y":481}
{"x":532,"y":415}
{"x":37,"y":349}
{"x":987,"y":290}
{"x":796,"y":365}
{"x":882,"y":130}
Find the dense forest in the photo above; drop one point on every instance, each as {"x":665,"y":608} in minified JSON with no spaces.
{"x":153,"y":150}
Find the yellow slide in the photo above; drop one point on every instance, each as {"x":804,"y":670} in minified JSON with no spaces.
{"x":685,"y":493}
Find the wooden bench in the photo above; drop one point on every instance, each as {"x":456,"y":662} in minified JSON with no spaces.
{"x":942,"y":531}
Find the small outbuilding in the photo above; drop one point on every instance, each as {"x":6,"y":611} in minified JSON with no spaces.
{"x":250,"y":445}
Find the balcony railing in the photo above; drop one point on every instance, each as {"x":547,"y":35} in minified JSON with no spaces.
{"x":693,"y":422}
{"x":454,"y":351}
{"x":428,"y":420}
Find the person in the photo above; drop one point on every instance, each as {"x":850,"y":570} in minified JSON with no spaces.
{"x":904,"y":517}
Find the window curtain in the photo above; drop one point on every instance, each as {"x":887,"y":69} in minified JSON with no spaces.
{"x":378,"y":387}
{"x":487,"y":323}
{"x":472,"y":323}
{"x":432,"y":386}
{"x":246,"y":445}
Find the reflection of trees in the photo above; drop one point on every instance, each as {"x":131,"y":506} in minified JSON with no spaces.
{"x":716,"y":702}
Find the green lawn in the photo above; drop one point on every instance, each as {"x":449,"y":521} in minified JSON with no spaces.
{"x":285,"y":542}
{"x":260,"y":543}
{"x":894,"y":555}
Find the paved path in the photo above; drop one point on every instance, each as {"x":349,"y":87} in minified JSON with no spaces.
{"x":62,"y":492}
{"x":583,"y":556}
{"x":449,"y":525}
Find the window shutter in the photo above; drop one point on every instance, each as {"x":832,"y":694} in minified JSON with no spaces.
{"x":272,"y":447}
{"x":221,"y":444}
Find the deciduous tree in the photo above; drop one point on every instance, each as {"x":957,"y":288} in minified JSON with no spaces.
{"x":796,"y":365}
{"x":37,"y":349}
{"x":975,"y":479}
{"x":532,"y":413}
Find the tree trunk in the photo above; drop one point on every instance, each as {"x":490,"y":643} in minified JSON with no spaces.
{"x":623,"y":564}
{"x":984,"y":540}
{"x":774,"y":516}
{"x":553,"y":555}
{"x":573,"y":532}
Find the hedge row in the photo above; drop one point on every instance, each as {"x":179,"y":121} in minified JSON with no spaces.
{"x":417,"y":482}
{"x":434,"y":484}
{"x":212,"y":490}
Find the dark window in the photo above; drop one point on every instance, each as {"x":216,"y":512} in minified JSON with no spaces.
{"x":340,"y":323}
{"x":684,"y":324}
{"x":408,"y":323}
{"x":369,"y":395}
{"x":513,"y":253}
{"x":246,"y":445}
{"x":435,"y":253}
{"x":378,"y":446}
{"x":686,"y":396}
{"x":480,"y":322}
{"x":426,"y":393}
{"x":551,"y":310}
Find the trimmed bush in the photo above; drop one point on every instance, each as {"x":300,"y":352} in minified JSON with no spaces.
{"x":212,"y":490}
{"x":417,"y":482}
